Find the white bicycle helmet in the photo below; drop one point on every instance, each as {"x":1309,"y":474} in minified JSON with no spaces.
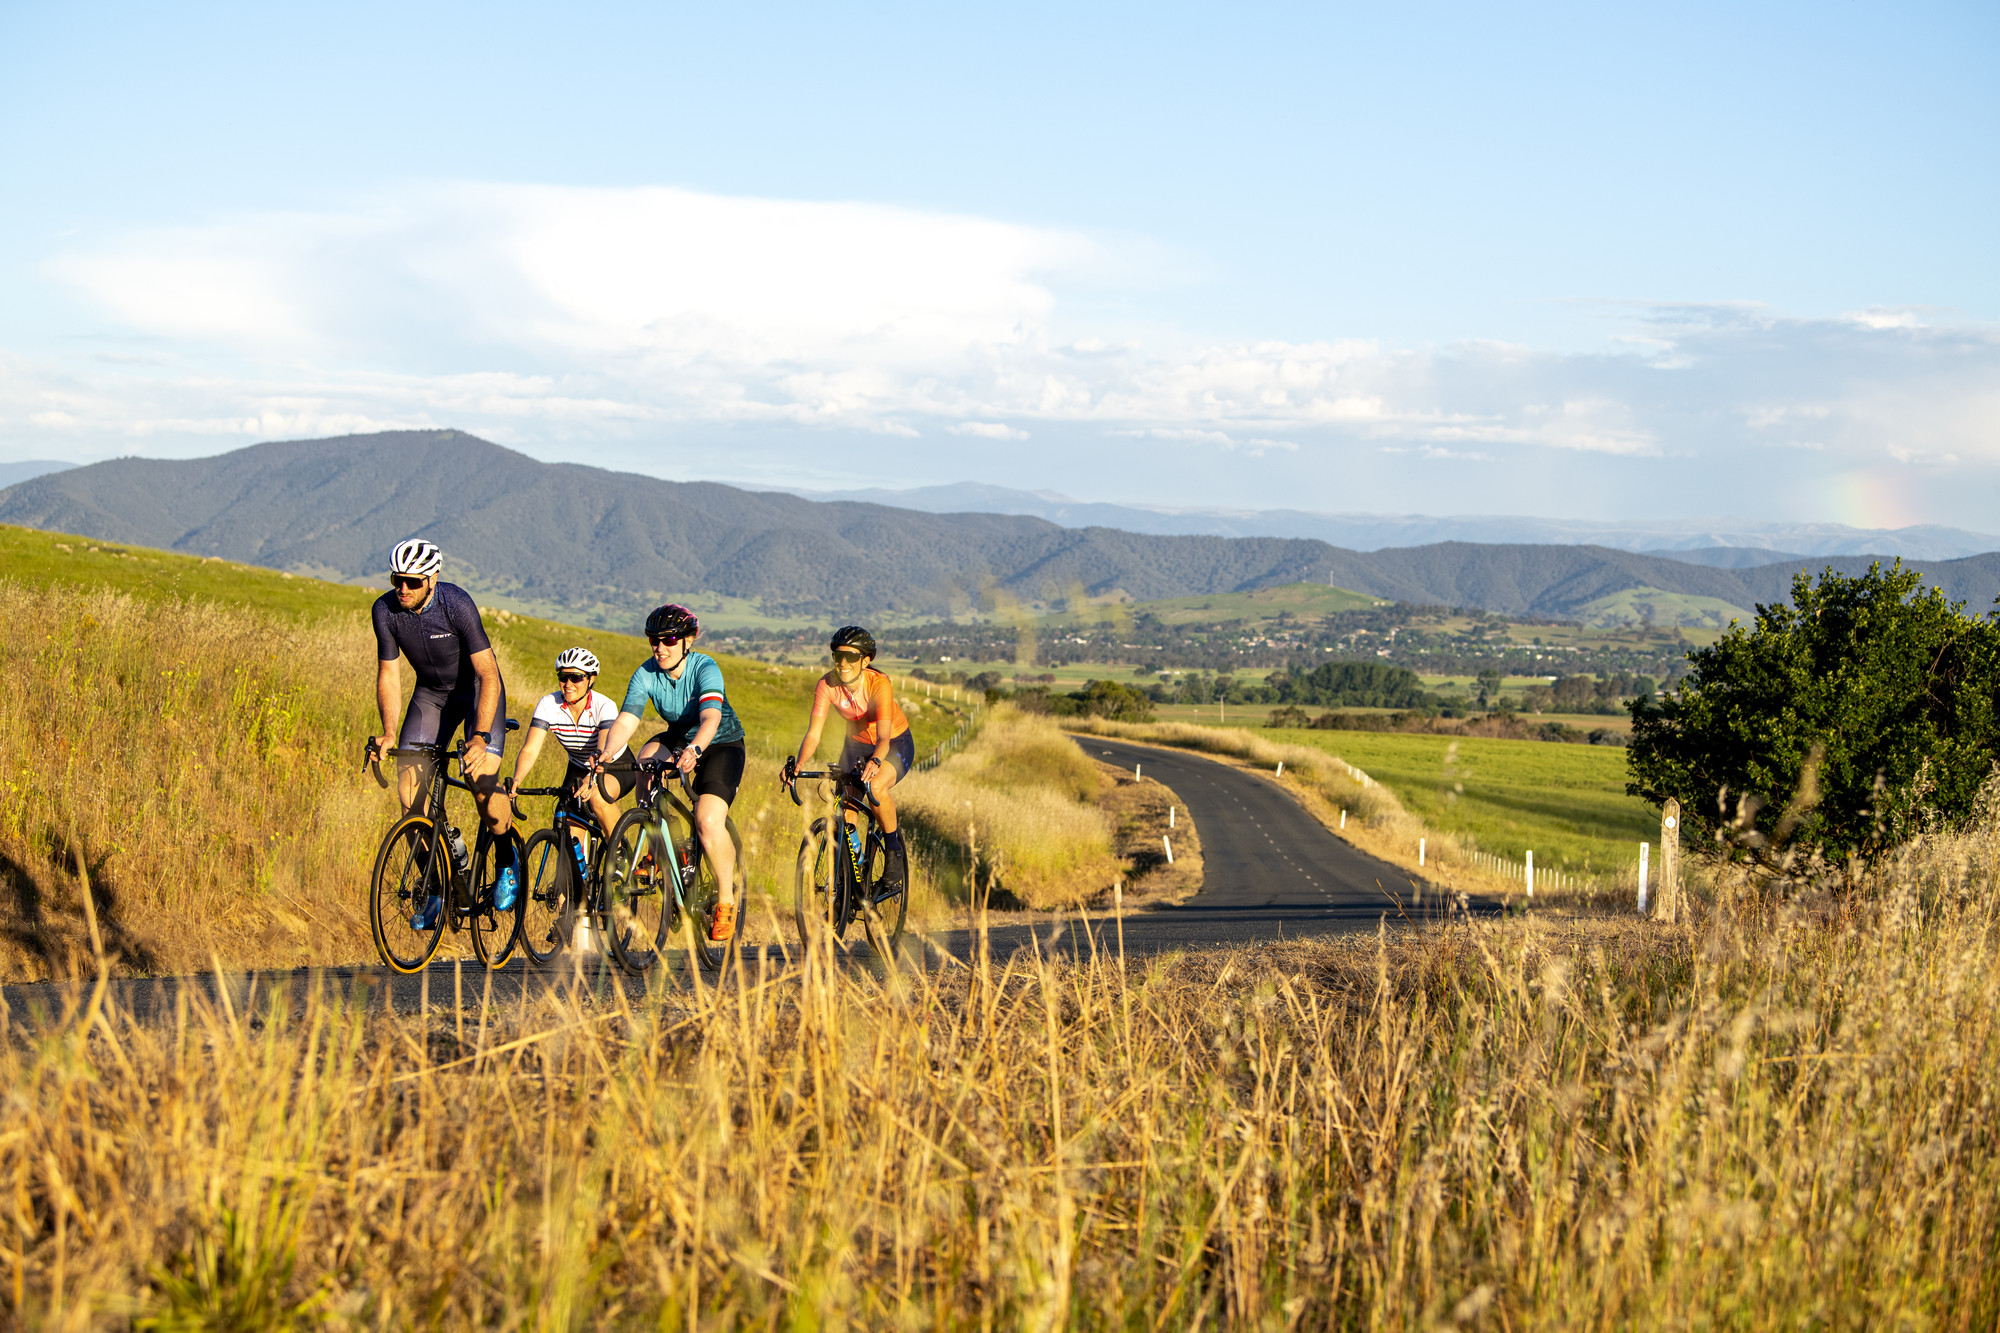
{"x":577,"y":659}
{"x":416,"y":558}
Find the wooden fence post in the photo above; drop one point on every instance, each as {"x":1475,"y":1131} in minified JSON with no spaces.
{"x":1670,"y":861}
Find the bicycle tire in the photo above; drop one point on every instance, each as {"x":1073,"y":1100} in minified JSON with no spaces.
{"x":637,"y":893}
{"x":699,"y":898}
{"x":882,"y":918}
{"x":401,"y":874}
{"x":548,"y":896}
{"x":495,"y":933}
{"x":819,"y":884}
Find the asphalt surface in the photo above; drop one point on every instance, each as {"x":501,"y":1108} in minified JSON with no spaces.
{"x":1270,"y":871}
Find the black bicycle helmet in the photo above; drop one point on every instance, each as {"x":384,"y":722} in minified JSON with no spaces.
{"x":853,"y":636}
{"x":672,"y":621}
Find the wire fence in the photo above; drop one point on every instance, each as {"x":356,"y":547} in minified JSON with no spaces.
{"x":958,"y":739}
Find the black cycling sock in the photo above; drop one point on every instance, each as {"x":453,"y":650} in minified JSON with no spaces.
{"x":503,"y":855}
{"x":893,"y":840}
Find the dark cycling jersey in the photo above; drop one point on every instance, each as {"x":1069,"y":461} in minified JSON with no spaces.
{"x":439,"y":640}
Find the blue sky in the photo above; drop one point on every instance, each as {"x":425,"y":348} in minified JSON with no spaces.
{"x":1563,"y":260}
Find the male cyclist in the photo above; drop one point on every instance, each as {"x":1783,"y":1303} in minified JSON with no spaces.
{"x":579,"y":718}
{"x":437,"y":626}
{"x":879,"y":744}
{"x":685,"y":689}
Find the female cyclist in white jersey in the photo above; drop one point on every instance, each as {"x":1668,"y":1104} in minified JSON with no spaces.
{"x":579,"y":718}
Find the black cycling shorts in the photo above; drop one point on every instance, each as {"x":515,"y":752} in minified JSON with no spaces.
{"x":902,"y":753}
{"x":434,"y":717}
{"x":719,"y":771}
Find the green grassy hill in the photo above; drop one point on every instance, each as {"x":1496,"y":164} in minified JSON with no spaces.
{"x":191,"y":730}
{"x":771,"y":701}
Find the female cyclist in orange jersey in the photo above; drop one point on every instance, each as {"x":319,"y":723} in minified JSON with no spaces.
{"x":878,"y":735}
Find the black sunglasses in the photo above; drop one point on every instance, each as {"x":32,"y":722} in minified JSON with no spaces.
{"x":570,"y":677}
{"x":406,"y":580}
{"x":666,"y":640}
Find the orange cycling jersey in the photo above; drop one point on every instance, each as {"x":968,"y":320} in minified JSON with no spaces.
{"x":867,"y":710}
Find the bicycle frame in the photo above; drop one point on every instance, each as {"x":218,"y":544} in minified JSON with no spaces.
{"x":858,"y":853}
{"x":435,"y":780}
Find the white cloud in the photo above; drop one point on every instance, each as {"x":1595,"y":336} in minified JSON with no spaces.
{"x":988,"y":430}
{"x":570,"y":316}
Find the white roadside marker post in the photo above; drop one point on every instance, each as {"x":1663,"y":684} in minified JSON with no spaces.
{"x":1135,"y":773}
{"x":1169,"y":844}
{"x":1281,"y":768}
{"x":1531,"y":874}
{"x":1170,"y":816}
{"x":1644,"y":849}
{"x":1420,"y":853}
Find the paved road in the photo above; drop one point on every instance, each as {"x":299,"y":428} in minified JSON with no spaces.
{"x":1271,"y":871}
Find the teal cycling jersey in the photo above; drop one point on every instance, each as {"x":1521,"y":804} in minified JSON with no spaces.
{"x":680,"y":703}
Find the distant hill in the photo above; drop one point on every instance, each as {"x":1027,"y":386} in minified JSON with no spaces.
{"x":601,"y":547}
{"x":1760,"y":541}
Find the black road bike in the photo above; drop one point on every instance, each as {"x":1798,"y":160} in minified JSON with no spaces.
{"x":427,"y":879}
{"x":839,"y":879}
{"x":558,"y":872}
{"x":653,"y":879}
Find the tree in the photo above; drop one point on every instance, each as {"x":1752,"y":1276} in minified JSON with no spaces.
{"x":1110,"y":699}
{"x":1839,"y":721}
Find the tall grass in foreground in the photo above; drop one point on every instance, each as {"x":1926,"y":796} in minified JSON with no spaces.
{"x":1779,"y":1115}
{"x":1015,"y":810}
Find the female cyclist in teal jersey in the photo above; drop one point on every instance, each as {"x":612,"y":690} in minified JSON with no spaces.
{"x":685,"y":688}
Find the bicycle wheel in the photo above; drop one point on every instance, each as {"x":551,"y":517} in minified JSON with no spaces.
{"x":495,"y":932}
{"x":700,"y":897}
{"x":548,"y":888}
{"x":819,"y":887}
{"x":638,"y":891}
{"x":410,"y":879}
{"x":883,"y":911}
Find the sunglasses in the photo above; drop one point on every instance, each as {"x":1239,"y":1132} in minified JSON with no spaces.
{"x":849,"y":655}
{"x":408,"y":581}
{"x":666,"y":640}
{"x":571,"y":677}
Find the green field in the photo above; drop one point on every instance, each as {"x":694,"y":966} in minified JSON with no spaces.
{"x":1303,"y":601}
{"x":1565,"y":803}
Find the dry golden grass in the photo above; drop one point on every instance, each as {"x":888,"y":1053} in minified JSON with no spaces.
{"x":1014,"y":811}
{"x":1780,"y":1115}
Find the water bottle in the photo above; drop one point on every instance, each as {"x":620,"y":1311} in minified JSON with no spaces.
{"x":582,"y":866}
{"x":460,"y":858}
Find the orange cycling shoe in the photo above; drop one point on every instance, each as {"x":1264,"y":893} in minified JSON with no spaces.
{"x":723,"y":928}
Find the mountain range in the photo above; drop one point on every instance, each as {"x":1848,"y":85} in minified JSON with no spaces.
{"x":1724,"y":541}
{"x":585,"y":544}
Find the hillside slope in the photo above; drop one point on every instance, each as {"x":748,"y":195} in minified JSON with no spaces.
{"x":584,"y":543}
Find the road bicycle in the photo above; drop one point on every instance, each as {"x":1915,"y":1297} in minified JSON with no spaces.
{"x":652,"y":878}
{"x":837,"y":882}
{"x":558,"y":872}
{"x":424,"y":858}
